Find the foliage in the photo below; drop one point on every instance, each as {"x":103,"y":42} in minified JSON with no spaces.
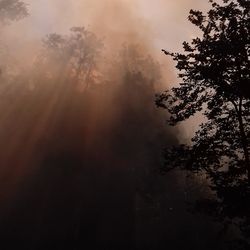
{"x":72,"y":56}
{"x":215,"y":73}
{"x":12,"y":10}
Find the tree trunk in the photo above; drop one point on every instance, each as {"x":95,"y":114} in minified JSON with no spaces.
{"x":244,"y":140}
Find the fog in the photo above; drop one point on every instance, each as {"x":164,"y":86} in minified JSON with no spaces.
{"x":81,"y":138}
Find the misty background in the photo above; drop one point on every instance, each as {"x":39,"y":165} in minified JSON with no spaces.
{"x":81,"y":139}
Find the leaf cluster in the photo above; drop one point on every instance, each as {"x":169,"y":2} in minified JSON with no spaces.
{"x":12,"y":10}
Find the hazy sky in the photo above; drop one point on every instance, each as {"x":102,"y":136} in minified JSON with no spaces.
{"x":163,"y":21}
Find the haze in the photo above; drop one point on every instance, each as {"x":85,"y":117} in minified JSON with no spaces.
{"x":81,"y":147}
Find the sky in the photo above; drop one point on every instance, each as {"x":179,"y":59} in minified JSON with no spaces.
{"x":163,"y":21}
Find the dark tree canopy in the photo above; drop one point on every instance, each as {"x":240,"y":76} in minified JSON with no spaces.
{"x":12,"y":10}
{"x":215,"y":70}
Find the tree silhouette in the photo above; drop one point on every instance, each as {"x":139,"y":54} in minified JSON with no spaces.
{"x":72,"y":57}
{"x":12,"y":10}
{"x":215,"y":73}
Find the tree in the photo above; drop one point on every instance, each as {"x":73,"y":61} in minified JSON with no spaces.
{"x":12,"y":10}
{"x":215,"y":73}
{"x":73,"y":57}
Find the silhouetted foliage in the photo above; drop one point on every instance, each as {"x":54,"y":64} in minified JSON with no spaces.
{"x":215,"y":73}
{"x":73,"y":57}
{"x":12,"y":10}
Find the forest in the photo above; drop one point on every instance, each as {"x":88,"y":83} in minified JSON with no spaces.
{"x":112,"y":136}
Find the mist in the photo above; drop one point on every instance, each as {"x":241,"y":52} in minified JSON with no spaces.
{"x":81,"y":138}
